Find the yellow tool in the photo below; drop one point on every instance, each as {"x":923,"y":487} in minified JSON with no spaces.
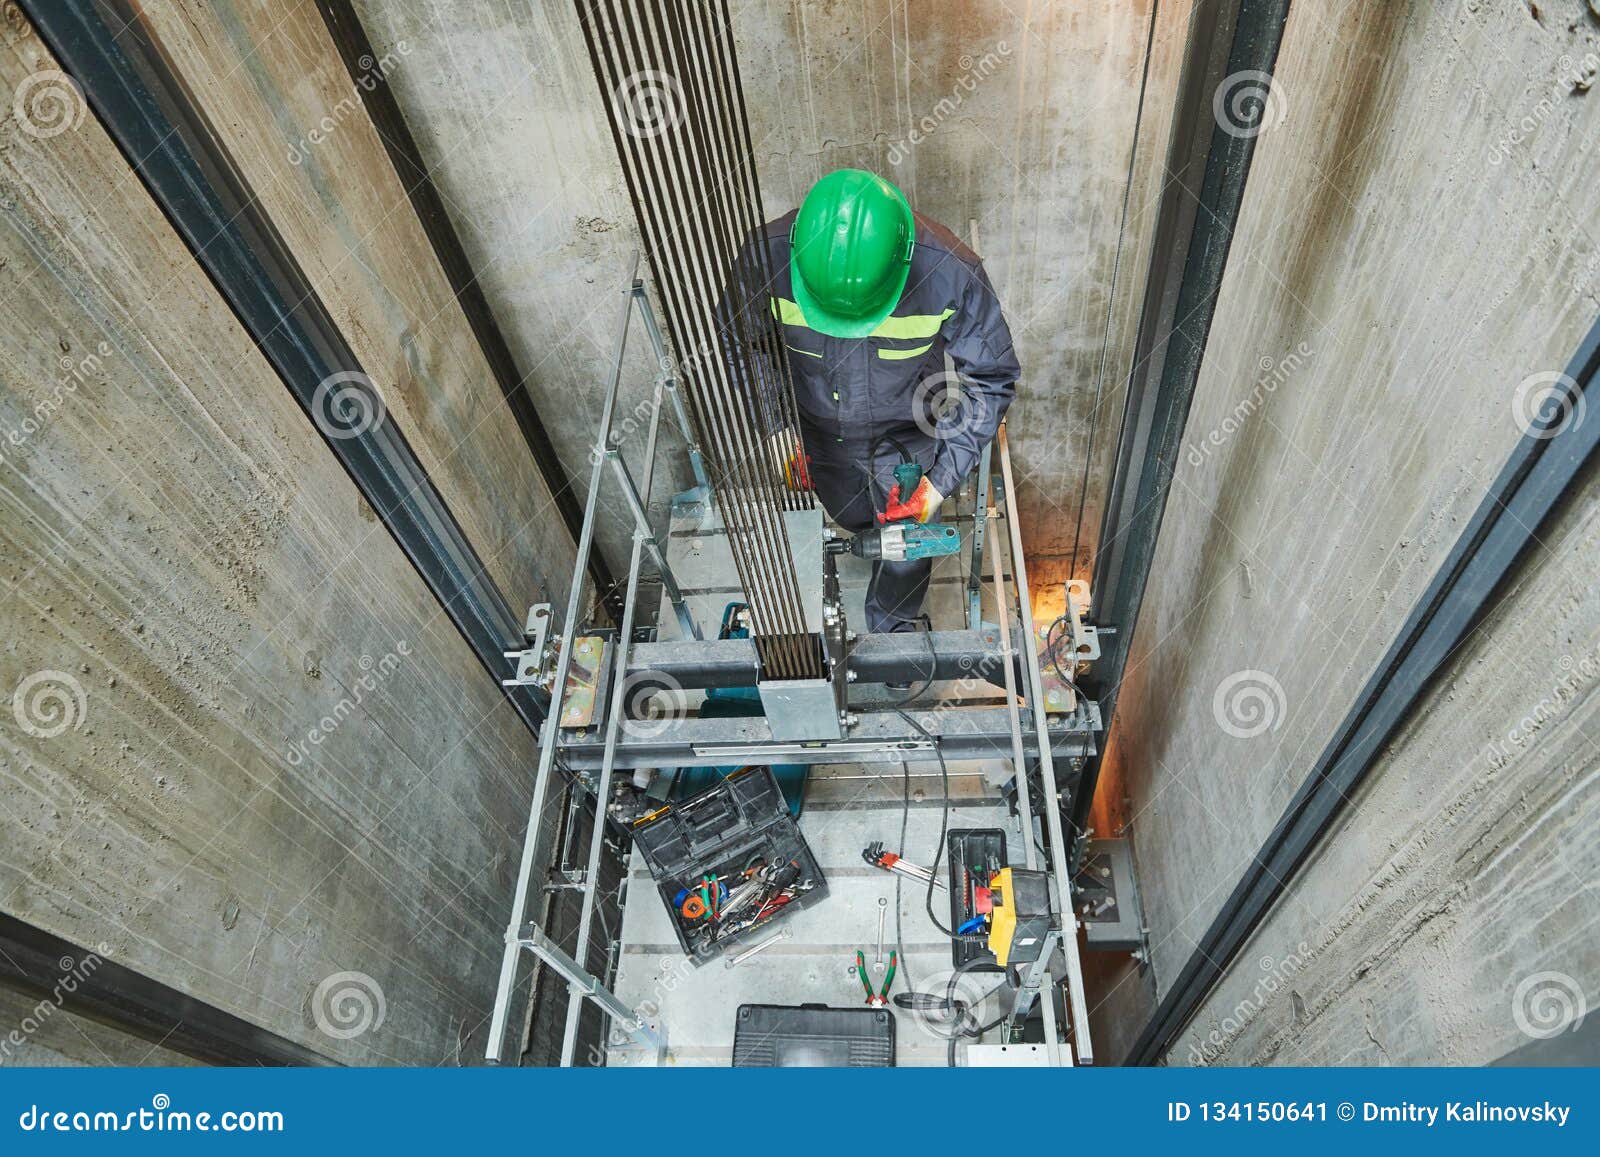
{"x":1021,"y":915}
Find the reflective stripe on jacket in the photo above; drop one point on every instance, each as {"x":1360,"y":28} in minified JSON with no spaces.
{"x":851,"y":391}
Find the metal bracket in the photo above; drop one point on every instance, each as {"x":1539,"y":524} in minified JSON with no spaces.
{"x":1107,"y":898}
{"x":1033,"y":979}
{"x":588,"y":676}
{"x":1085,"y":638}
{"x":533,"y":661}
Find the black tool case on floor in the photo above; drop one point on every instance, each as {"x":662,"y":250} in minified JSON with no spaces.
{"x":975,"y":855}
{"x":724,"y":833}
{"x":777,"y":1036}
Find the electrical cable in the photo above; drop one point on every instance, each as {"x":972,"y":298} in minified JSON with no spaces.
{"x":1116,"y":268}
{"x":944,"y":823}
{"x":1050,"y":649}
{"x":933,"y":664}
{"x":963,"y":1023}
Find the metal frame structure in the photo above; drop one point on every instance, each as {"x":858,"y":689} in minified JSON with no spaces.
{"x":1032,"y":739}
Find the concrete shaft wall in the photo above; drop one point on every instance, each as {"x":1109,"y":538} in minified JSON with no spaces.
{"x":248,"y":751}
{"x":1417,"y":239}
{"x":1018,"y":116}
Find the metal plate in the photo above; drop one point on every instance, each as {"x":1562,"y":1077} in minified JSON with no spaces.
{"x":586,"y":680}
{"x":800,"y":710}
{"x":1006,"y":1057}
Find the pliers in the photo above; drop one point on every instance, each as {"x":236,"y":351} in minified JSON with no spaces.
{"x":880,"y":998}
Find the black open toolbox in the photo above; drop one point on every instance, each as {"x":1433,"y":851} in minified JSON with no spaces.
{"x":975,"y":855}
{"x":739,"y":833}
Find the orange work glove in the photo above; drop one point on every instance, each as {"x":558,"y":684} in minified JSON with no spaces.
{"x":922,"y":505}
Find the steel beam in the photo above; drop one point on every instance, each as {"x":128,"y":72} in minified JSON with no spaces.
{"x":619,"y":697}
{"x":534,"y":854}
{"x":1052,"y":802}
{"x":86,"y":983}
{"x":903,"y":658}
{"x":875,"y":737}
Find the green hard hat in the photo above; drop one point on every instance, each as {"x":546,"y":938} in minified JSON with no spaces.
{"x":850,"y":252}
